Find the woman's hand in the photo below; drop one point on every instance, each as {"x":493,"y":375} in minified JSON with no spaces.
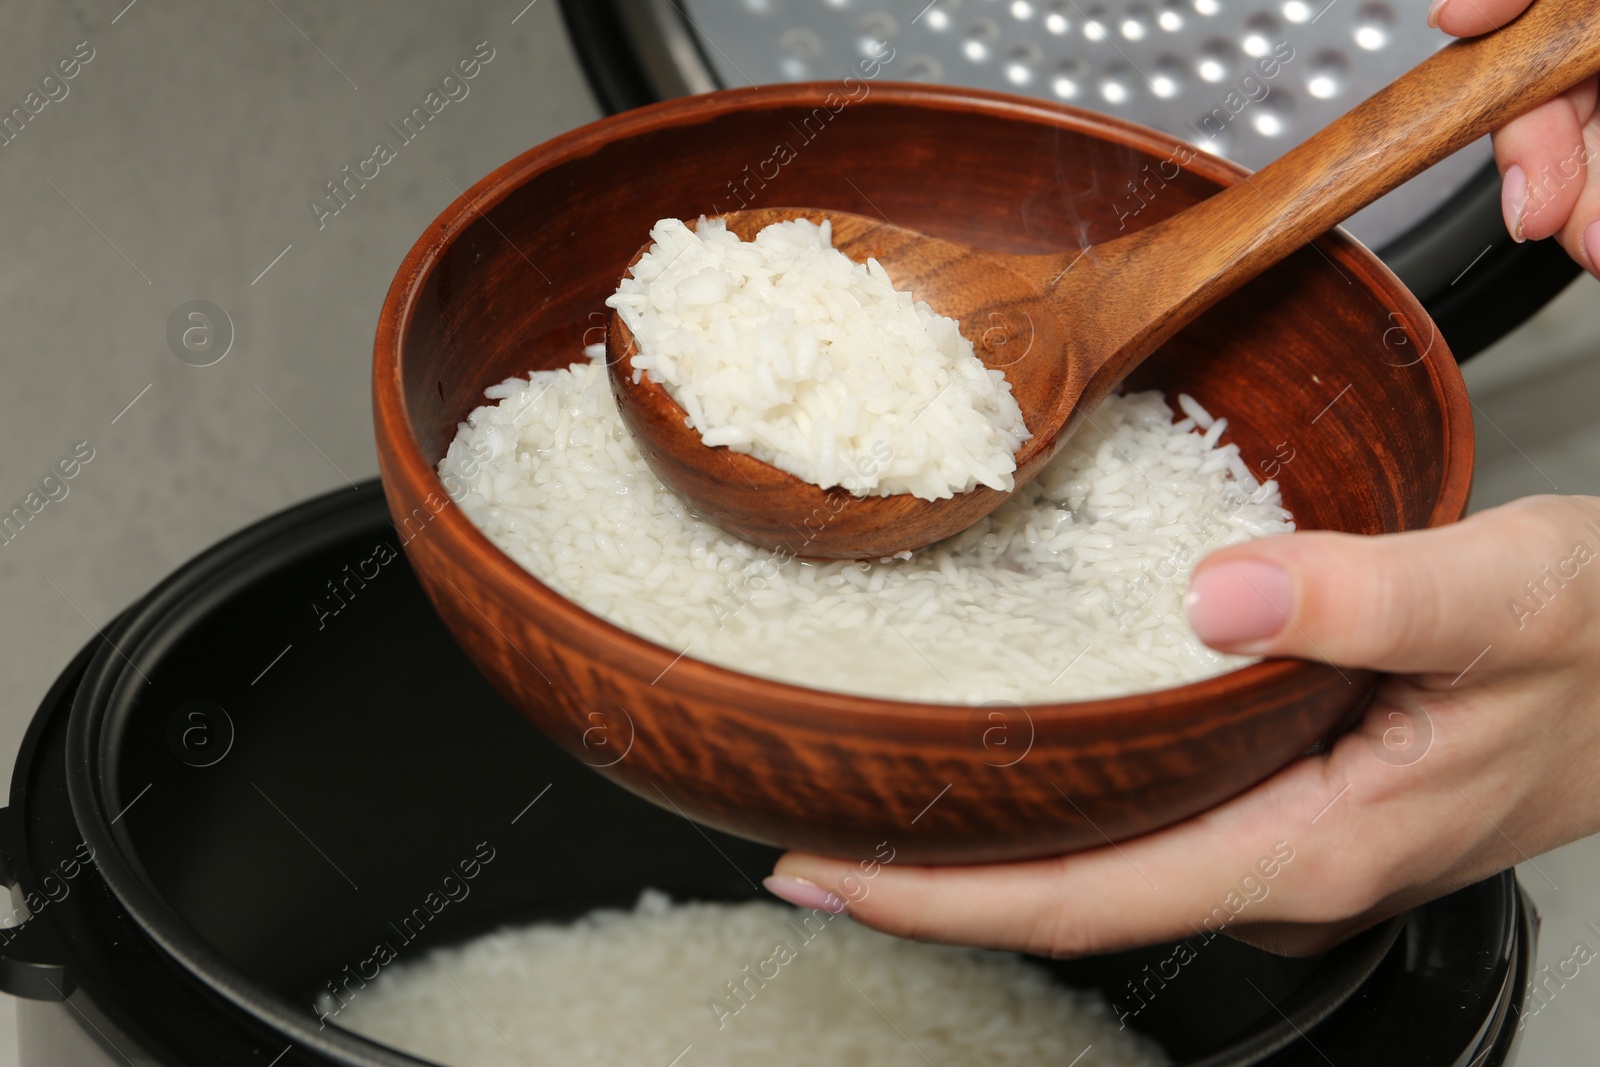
{"x":1549,"y":187}
{"x":1482,"y":750}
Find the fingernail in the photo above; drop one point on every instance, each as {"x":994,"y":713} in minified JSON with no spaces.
{"x":1240,"y":605}
{"x":1514,"y":200}
{"x":803,"y":894}
{"x":1591,"y":245}
{"x":1433,"y":12}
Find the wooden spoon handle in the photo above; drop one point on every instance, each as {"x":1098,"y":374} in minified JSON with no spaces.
{"x":1177,"y":268}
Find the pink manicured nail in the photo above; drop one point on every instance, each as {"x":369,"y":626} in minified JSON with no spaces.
{"x":1239,"y":605}
{"x":1433,"y":12}
{"x":1591,"y":246}
{"x":1514,"y":200}
{"x":803,"y":894}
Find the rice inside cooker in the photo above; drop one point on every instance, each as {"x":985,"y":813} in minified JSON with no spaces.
{"x":704,"y":985}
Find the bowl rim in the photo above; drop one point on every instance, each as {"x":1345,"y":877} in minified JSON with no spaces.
{"x":401,"y":460}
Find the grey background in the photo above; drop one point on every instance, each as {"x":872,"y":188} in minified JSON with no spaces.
{"x":190,"y":145}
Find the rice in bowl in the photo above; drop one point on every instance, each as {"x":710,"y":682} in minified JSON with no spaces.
{"x":1072,"y":590}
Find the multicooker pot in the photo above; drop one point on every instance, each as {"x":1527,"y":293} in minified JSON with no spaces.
{"x":271,"y":764}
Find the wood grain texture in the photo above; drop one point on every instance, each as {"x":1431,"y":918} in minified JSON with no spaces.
{"x":1326,"y":355}
{"x":1092,"y":314}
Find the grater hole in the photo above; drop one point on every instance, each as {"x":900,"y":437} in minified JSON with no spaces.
{"x":1022,"y":63}
{"x":1166,"y":78}
{"x":1136,"y":23}
{"x":1096,"y":24}
{"x":1067,"y":82}
{"x":1328,"y":74}
{"x":1260,"y":32}
{"x":1210,"y":138}
{"x":1116,"y":85}
{"x":981,"y":36}
{"x":936,"y":16}
{"x":800,"y":49}
{"x":1374,"y":26}
{"x":1272,"y":116}
{"x":1215,"y":61}
{"x":877,"y":29}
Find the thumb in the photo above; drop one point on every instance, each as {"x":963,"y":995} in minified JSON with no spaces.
{"x":1421,"y":601}
{"x":1469,"y":18}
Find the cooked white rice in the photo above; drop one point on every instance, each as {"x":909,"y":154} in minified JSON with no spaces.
{"x":637,"y":989}
{"x":786,"y":349}
{"x":1073,"y":589}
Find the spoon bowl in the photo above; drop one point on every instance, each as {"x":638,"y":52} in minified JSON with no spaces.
{"x":1090,"y":316}
{"x":739,"y":491}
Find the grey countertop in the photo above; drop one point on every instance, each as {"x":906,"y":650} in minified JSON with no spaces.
{"x":179,"y":166}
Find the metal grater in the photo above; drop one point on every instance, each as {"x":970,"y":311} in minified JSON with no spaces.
{"x":1169,"y":64}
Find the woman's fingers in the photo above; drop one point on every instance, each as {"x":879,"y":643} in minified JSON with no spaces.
{"x":1441,"y":783}
{"x":1544,"y":158}
{"x":1294,"y":864}
{"x":1469,"y":18}
{"x":1328,"y":847}
{"x":1191,"y":878}
{"x":1580,"y":234}
{"x":1425,"y":601}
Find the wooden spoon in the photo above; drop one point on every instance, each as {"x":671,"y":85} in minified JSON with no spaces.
{"x":1083,"y":320}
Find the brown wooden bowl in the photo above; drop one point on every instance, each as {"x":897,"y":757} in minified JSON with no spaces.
{"x":1326,"y":357}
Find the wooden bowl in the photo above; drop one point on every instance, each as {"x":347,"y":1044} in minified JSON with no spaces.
{"x":1329,"y":371}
